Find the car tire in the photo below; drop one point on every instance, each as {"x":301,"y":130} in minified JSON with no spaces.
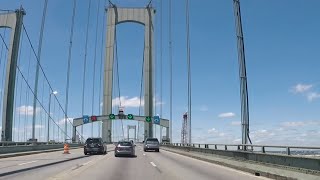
{"x":115,"y":155}
{"x":105,"y":152}
{"x":85,"y":153}
{"x":157,"y":150}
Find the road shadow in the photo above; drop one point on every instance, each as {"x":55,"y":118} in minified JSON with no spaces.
{"x":39,"y":166}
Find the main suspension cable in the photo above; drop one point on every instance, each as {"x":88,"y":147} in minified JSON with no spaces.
{"x":42,"y":70}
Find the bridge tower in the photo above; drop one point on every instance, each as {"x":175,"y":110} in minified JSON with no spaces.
{"x":14,"y":21}
{"x":115,"y":16}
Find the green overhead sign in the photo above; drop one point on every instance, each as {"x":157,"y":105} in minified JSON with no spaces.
{"x":112,"y":116}
{"x":148,"y":119}
{"x":130,"y":116}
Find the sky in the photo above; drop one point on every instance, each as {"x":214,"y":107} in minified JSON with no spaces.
{"x":281,"y":46}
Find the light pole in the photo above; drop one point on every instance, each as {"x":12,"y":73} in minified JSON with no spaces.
{"x":48,"y":128}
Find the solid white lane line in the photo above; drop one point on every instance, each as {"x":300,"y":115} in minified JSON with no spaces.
{"x":154,"y":165}
{"x":26,"y":163}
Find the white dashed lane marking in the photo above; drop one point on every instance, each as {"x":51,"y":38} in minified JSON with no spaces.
{"x":154,"y":165}
{"x":26,"y":163}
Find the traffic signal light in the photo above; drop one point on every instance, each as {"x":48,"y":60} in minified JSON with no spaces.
{"x":148,"y":119}
{"x":93,"y":118}
{"x":130,"y":116}
{"x":112,"y":116}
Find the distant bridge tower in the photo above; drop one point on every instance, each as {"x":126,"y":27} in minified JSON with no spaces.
{"x":14,"y":21}
{"x":184,"y":129}
{"x":115,"y":16}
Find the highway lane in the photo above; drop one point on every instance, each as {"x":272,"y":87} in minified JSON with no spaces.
{"x":146,"y":165}
{"x":41,"y":166}
{"x":152,"y":165}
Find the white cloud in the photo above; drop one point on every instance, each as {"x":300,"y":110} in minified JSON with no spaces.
{"x":301,"y":88}
{"x":61,"y":121}
{"x":127,"y":102}
{"x":300,"y":123}
{"x":28,"y":110}
{"x":204,"y":108}
{"x":235,"y":123}
{"x":131,"y":102}
{"x":293,"y":124}
{"x":227,"y":115}
{"x":237,"y":141}
{"x":312,"y":96}
{"x":211,"y":131}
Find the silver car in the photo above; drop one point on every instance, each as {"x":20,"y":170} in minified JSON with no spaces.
{"x":151,"y":144}
{"x":125,"y":148}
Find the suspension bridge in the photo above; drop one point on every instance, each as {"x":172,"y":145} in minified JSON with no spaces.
{"x":85,"y":97}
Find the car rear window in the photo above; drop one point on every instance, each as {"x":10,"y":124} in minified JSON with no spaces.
{"x":152,"y":141}
{"x":125,"y":143}
{"x":89,"y":141}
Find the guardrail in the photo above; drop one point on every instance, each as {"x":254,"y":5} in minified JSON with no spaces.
{"x":269,"y":149}
{"x":5,"y":144}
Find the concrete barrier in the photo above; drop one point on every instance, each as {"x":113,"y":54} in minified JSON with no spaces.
{"x":17,"y":149}
{"x":276,"y":159}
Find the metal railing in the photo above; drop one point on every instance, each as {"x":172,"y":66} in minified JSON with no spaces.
{"x":270,"y":149}
{"x":6,"y":144}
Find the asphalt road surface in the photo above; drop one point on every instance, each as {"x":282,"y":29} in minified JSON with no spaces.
{"x":161,"y":165}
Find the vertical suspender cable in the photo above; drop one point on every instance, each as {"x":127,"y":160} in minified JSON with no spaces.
{"x":37,"y":69}
{"x":53,"y":114}
{"x":68,"y":69}
{"x":118,"y":78}
{"x":41,"y":112}
{"x":27,"y":100}
{"x":14,"y":123}
{"x":170,"y":59}
{"x":161,"y":62}
{"x":161,"y":51}
{"x":85,"y":63}
{"x":20,"y":94}
{"x":101,"y":65}
{"x":155,"y":79}
{"x":189,"y":69}
{"x":141,"y":86}
{"x":94,"y":65}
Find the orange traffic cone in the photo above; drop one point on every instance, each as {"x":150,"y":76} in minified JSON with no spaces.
{"x":66,"y":149}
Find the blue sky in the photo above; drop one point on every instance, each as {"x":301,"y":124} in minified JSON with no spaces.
{"x":281,"y":43}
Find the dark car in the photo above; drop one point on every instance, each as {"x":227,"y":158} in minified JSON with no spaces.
{"x":95,"y":146}
{"x":151,"y":144}
{"x":124,"y":148}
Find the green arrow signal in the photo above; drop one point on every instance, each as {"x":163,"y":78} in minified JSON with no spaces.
{"x":130,"y":116}
{"x":112,"y":116}
{"x":148,"y":119}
